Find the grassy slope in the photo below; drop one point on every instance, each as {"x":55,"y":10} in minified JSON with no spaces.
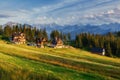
{"x":54,"y":64}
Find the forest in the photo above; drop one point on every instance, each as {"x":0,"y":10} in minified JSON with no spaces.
{"x":110,"y":42}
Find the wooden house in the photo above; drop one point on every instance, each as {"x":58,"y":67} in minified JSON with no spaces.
{"x":40,"y":42}
{"x":18,"y":38}
{"x":57,"y":43}
{"x":100,"y":51}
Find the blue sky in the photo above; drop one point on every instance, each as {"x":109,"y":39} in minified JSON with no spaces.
{"x":62,"y":12}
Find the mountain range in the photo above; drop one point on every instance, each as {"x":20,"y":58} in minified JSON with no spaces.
{"x":75,"y":29}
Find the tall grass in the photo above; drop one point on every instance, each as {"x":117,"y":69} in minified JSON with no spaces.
{"x":23,"y":74}
{"x":65,"y":64}
{"x":38,"y":68}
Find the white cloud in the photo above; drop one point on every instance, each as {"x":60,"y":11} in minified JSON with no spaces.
{"x":110,"y":12}
{"x":109,"y":16}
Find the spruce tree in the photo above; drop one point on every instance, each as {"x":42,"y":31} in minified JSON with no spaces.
{"x":1,"y":30}
{"x":108,"y":50}
{"x":54,"y":34}
{"x":45,"y":35}
{"x":7,"y":31}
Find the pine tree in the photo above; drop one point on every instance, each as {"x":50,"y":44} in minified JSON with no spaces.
{"x":108,"y":50}
{"x":65,"y":38}
{"x":31,"y":35}
{"x":45,"y":35}
{"x":78,"y":41}
{"x":7,"y":31}
{"x":40,"y":33}
{"x":117,"y":48}
{"x":1,"y":30}
{"x":54,"y":34}
{"x":69,"y":36}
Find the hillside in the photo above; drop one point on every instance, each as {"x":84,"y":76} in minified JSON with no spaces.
{"x":21,"y":62}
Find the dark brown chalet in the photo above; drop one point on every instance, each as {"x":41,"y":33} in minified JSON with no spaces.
{"x":40,"y":42}
{"x":57,"y":43}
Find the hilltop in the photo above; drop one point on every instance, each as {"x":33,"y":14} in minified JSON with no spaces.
{"x":21,"y":62}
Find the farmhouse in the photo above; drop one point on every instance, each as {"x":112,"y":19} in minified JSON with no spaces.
{"x":40,"y":42}
{"x":100,"y":51}
{"x":57,"y":43}
{"x":18,"y":38}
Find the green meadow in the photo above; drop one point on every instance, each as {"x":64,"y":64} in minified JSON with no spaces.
{"x":21,"y":62}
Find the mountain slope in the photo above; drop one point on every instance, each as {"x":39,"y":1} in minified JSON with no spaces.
{"x":55,"y":64}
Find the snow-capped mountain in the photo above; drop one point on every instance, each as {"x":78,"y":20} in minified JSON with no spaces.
{"x":11,"y":24}
{"x":75,"y":29}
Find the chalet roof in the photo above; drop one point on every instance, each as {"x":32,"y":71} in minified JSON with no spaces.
{"x":39,"y":40}
{"x":17,"y":34}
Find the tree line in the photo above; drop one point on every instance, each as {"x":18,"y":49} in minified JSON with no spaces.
{"x":31,"y":33}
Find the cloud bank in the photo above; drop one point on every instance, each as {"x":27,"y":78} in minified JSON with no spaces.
{"x":63,"y":12}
